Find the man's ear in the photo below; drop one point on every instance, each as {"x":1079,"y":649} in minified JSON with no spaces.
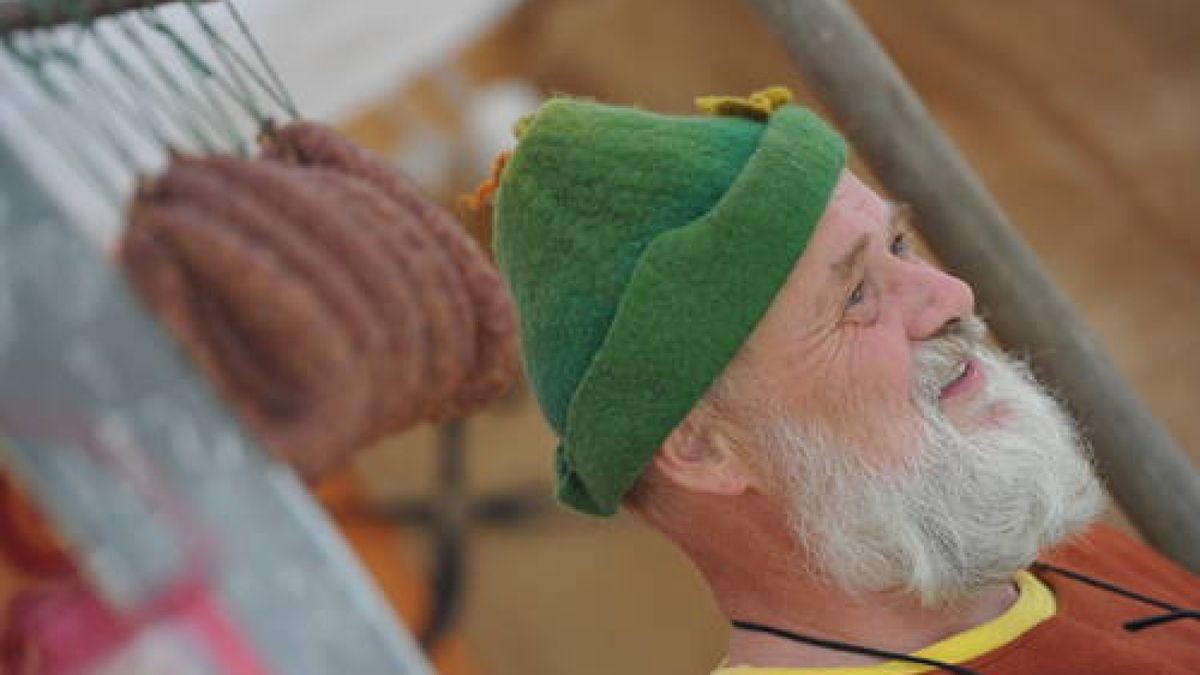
{"x":702,"y":458}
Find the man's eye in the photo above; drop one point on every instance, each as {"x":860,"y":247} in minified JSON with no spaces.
{"x":857,"y":295}
{"x":899,"y":245}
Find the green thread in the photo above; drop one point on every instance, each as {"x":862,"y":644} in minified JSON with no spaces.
{"x":72,"y":153}
{"x":285,"y":97}
{"x":235,"y":87}
{"x":89,"y":110}
{"x":37,"y":55}
{"x":129,"y":101}
{"x":200,"y":74}
{"x":189,"y":110}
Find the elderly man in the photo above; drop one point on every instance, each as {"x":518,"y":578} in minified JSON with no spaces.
{"x":733,"y":338}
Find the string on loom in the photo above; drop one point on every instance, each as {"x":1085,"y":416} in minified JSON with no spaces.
{"x":46,"y":58}
{"x":112,"y":93}
{"x":238,"y":91}
{"x":65,"y":55}
{"x":193,"y":113}
{"x":200,"y":74}
{"x":240,"y":72}
{"x":206,"y":80}
{"x":44,"y":55}
{"x":237,"y":65}
{"x":126,"y":104}
{"x":75,"y":154}
{"x":133,"y":91}
{"x":281,"y":93}
{"x":144,"y":99}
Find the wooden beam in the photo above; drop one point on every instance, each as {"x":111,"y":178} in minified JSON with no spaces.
{"x":18,"y":15}
{"x":1149,"y":476}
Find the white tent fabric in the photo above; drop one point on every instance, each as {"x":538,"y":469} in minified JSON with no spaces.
{"x":337,"y":56}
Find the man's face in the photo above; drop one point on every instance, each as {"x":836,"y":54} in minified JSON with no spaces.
{"x":910,"y":456}
{"x":837,"y":343}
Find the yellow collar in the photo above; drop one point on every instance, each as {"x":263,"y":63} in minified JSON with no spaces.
{"x":1035,"y":604}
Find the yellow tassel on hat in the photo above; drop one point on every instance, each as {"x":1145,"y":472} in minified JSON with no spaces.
{"x":756,"y":106}
{"x":522,"y":125}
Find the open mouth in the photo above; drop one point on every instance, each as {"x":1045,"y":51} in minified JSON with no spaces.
{"x":967,"y":374}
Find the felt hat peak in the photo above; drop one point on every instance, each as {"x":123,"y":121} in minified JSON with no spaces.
{"x":641,"y":250}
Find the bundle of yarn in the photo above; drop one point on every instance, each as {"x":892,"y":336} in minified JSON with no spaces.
{"x":325,"y":297}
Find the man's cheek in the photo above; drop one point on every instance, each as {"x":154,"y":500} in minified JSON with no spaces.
{"x":885,"y":369}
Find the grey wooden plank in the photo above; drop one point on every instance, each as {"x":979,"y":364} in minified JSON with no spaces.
{"x":76,"y":346}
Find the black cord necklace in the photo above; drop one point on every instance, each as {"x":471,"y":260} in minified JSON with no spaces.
{"x":849,"y":647}
{"x":1173,"y":613}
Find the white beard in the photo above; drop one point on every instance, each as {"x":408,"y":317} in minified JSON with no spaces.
{"x":969,"y":510}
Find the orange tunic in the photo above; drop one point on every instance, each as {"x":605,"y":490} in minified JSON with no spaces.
{"x":1067,"y":626}
{"x":1086,"y":634}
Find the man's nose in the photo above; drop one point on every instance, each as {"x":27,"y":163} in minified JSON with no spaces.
{"x":937,"y":300}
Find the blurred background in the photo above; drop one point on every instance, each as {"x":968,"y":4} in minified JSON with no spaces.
{"x":1081,"y":116}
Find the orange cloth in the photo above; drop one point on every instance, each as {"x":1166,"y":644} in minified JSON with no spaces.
{"x":1086,"y":635}
{"x":380,"y":546}
{"x":386,"y":552}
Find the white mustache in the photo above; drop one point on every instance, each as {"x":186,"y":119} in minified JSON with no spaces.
{"x":940,"y":359}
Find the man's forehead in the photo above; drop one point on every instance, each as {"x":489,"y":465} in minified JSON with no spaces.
{"x":854,"y":210}
{"x":854,"y":199}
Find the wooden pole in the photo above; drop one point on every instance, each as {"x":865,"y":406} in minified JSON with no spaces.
{"x":20,"y":15}
{"x":1148,"y":475}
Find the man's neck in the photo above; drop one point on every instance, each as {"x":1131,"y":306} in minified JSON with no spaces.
{"x":776,"y":591}
{"x":832,"y":616}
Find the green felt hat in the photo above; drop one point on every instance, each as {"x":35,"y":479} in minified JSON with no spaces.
{"x":641,"y":250}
